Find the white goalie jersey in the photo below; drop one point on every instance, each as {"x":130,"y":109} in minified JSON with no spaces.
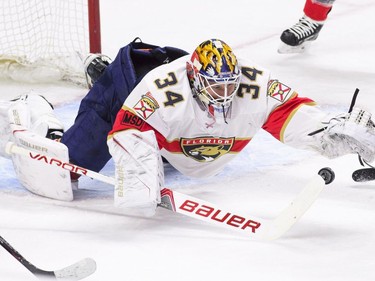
{"x":199,"y":143}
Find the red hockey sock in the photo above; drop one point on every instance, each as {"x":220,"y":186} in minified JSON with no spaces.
{"x":316,"y":11}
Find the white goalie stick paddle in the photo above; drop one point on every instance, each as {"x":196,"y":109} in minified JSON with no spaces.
{"x":193,"y":207}
{"x":76,"y":271}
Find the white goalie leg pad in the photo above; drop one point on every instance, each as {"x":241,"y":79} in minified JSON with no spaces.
{"x":353,"y":134}
{"x":28,"y":112}
{"x":34,"y":112}
{"x":30,"y":120}
{"x":40,"y":170}
{"x":139,"y":171}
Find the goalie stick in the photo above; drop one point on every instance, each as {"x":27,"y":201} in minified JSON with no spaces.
{"x":249,"y":226}
{"x":76,"y":271}
{"x":198,"y":209}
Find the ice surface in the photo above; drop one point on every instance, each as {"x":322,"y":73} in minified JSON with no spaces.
{"x":334,"y":240}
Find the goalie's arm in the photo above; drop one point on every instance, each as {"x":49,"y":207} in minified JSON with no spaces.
{"x":292,"y":120}
{"x":304,"y":125}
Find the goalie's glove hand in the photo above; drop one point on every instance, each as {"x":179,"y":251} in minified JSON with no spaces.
{"x":352,"y":133}
{"x":33,"y":112}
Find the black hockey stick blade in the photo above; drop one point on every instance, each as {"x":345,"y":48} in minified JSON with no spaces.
{"x":363,"y":175}
{"x":76,"y":271}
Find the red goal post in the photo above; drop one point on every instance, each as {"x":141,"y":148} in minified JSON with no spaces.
{"x":47,"y":40}
{"x":94,"y":26}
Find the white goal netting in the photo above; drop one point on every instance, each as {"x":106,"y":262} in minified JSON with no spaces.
{"x":43,"y":40}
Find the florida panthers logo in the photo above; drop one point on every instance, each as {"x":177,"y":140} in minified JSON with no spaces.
{"x":206,"y":149}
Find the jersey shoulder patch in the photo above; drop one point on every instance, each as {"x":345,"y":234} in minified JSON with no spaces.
{"x":278,"y":90}
{"x":146,"y":106}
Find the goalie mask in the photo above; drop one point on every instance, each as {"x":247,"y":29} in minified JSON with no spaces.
{"x":213,"y":73}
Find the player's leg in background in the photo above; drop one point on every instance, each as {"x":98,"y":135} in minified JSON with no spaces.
{"x":296,"y":38}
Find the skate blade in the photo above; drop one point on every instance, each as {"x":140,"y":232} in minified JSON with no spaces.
{"x":287,"y":49}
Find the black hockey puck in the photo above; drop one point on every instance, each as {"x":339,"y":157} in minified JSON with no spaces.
{"x":327,"y":174}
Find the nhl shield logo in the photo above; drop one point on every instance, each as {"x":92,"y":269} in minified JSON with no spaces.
{"x":206,"y":149}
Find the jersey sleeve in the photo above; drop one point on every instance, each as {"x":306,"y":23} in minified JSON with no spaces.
{"x":140,"y":111}
{"x":291,"y":117}
{"x":127,"y":119}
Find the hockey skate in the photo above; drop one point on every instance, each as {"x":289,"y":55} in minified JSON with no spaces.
{"x":95,"y":64}
{"x":297,"y":38}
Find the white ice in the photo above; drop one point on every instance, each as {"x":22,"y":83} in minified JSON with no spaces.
{"x":334,"y":240}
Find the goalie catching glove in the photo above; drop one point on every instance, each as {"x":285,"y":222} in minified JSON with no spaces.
{"x":139,"y":172}
{"x":352,"y":133}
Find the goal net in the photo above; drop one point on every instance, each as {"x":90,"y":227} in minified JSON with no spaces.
{"x":47,"y":40}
